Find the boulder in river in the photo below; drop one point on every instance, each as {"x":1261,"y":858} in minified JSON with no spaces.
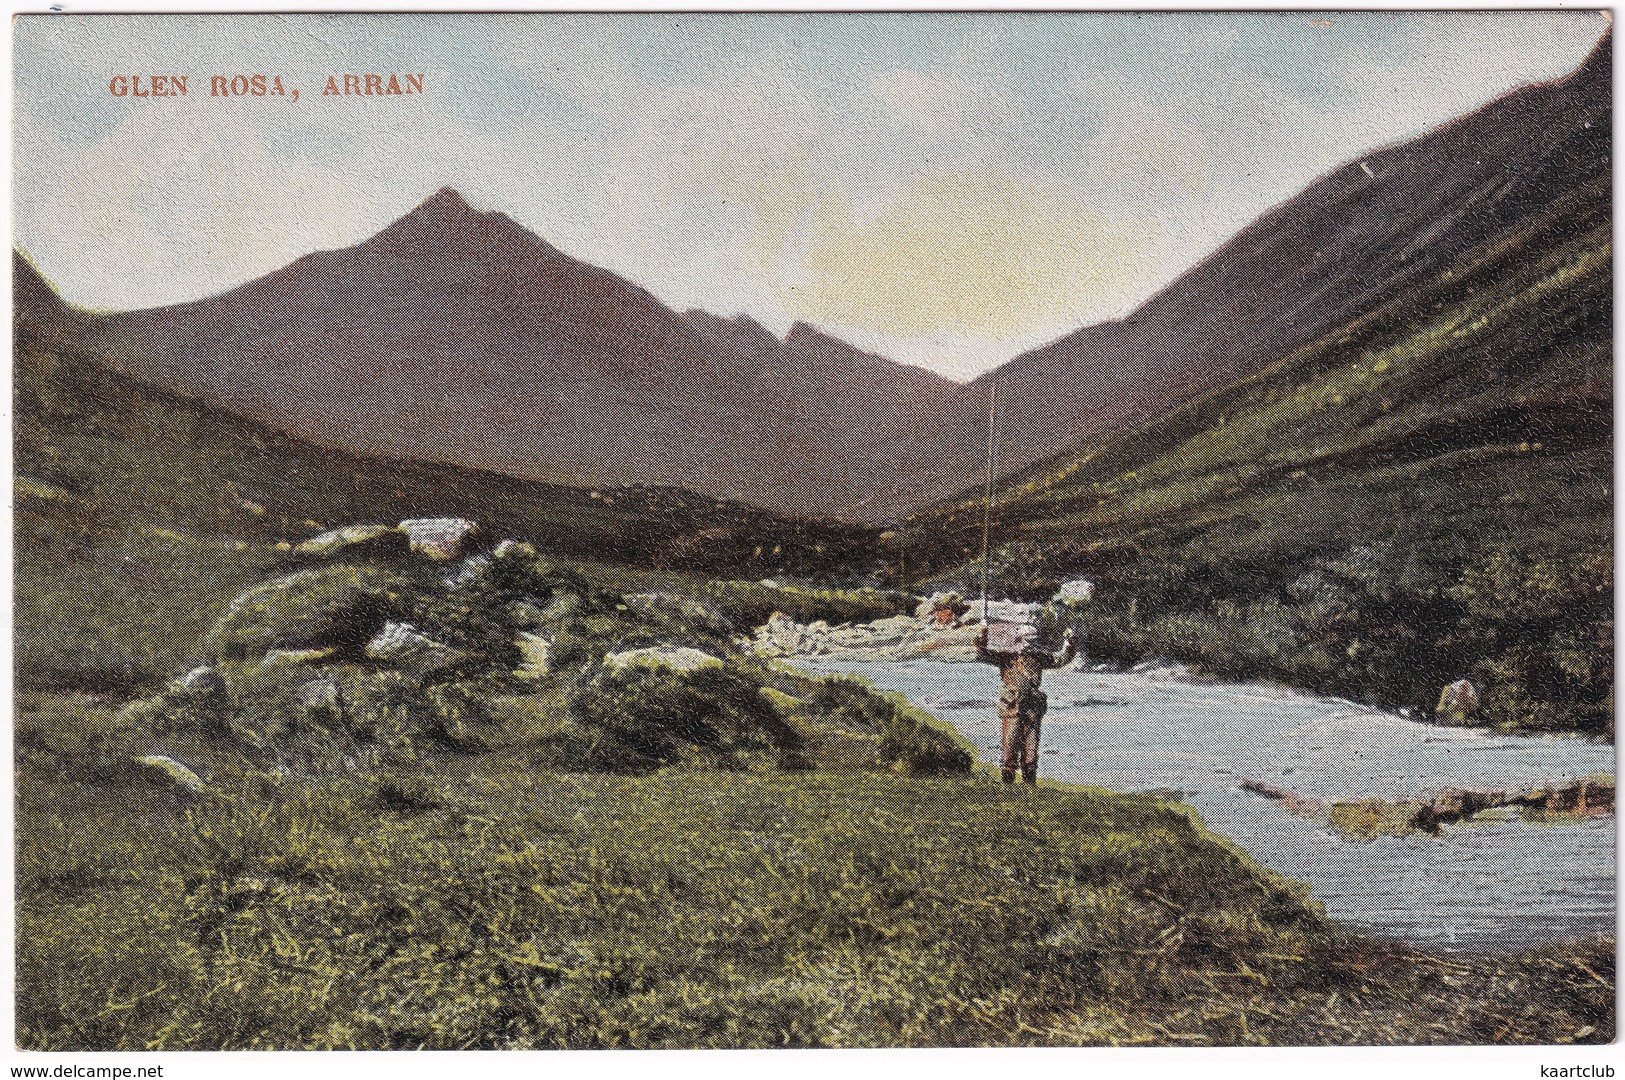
{"x":1457,"y":702}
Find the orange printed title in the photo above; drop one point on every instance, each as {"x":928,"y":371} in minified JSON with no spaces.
{"x":228,"y":86}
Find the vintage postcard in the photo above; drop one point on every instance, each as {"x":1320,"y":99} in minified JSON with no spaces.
{"x":667,"y":530}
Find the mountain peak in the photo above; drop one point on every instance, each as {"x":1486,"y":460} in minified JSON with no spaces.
{"x":447,"y":199}
{"x":445,"y":207}
{"x":446,"y":222}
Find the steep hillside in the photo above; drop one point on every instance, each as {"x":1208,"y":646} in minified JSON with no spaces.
{"x":1370,"y":233}
{"x":1423,"y":492}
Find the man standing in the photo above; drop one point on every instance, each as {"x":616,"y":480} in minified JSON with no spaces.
{"x":1022,"y":663}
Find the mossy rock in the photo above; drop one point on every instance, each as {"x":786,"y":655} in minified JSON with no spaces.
{"x":335,"y":606}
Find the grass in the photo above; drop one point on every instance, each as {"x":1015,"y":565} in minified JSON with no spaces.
{"x":498,"y":906}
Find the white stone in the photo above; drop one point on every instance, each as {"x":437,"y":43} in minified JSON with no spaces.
{"x":400,"y":644}
{"x":179,"y":774}
{"x":1076,"y":590}
{"x":438,"y":538}
{"x":535,"y":652}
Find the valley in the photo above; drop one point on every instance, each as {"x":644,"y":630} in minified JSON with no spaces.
{"x":400,"y":645}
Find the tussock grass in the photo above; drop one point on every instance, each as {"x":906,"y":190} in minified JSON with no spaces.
{"x":506,"y":907}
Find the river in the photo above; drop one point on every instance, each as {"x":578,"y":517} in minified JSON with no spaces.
{"x":1478,"y":885}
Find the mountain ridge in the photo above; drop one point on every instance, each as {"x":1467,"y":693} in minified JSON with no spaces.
{"x":1289,"y":276}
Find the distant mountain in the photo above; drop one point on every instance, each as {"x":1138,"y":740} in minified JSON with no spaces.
{"x":858,"y":416}
{"x":1374,"y":229}
{"x":459,"y":336}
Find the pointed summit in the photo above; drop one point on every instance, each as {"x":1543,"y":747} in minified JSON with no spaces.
{"x":445,"y":224}
{"x":448,"y":200}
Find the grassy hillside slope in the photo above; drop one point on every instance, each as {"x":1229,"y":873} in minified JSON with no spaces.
{"x":1422,"y":495}
{"x":140,"y":514}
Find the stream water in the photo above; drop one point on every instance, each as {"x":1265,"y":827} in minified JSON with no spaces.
{"x":1500,"y":885}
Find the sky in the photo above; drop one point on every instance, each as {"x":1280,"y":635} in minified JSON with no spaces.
{"x":946,"y":189}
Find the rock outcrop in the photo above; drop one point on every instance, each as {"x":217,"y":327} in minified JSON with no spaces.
{"x":400,"y":644}
{"x":678,"y":658}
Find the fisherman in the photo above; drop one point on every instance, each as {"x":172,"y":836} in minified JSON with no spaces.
{"x":1022,"y":662}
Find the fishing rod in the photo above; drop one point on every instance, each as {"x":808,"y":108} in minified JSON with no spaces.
{"x":987,"y":507}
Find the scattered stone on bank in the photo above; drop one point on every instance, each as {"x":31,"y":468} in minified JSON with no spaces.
{"x":399,"y":644}
{"x":469,"y":572}
{"x":320,"y":700}
{"x":355,"y":540}
{"x":1457,"y":702}
{"x":1077,"y":590}
{"x":513,"y":549}
{"x":535,"y":653}
{"x":942,"y":608}
{"x":1164,"y":670}
{"x":204,"y":685}
{"x":168,"y":770}
{"x":438,"y":538}
{"x":678,"y":658}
